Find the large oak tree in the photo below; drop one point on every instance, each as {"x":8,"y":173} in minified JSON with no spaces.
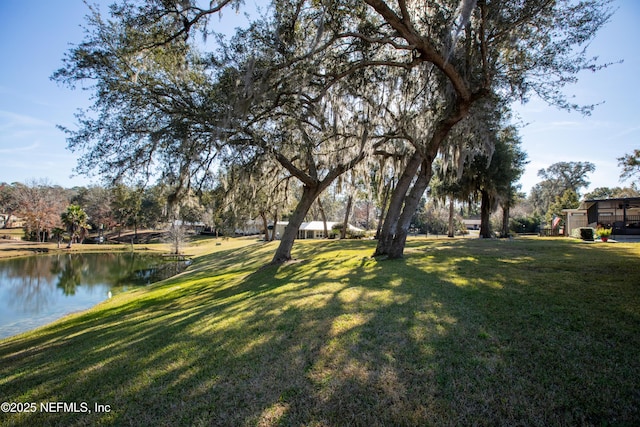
{"x":165,"y":95}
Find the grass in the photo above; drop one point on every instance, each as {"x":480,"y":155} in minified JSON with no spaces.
{"x":459,"y":332}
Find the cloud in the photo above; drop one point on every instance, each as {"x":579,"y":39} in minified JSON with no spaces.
{"x":626,"y":132}
{"x":20,"y":149}
{"x":10,"y":120}
{"x":21,"y":133}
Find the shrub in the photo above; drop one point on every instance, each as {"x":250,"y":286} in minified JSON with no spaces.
{"x":528,"y":224}
{"x":603,"y":232}
{"x":352,"y":234}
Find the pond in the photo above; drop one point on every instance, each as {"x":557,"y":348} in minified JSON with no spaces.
{"x":38,"y":289}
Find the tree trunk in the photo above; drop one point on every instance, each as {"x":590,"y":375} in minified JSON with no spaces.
{"x":368,"y":213}
{"x":485,"y":214}
{"x":265,"y":225}
{"x":505,"y":220}
{"x":345,"y":222}
{"x":383,"y":208}
{"x":411,"y":203}
{"x":451,"y":231}
{"x":275,"y":226}
{"x":324,"y":219}
{"x":7,"y":220}
{"x":389,"y":228}
{"x":283,"y":253}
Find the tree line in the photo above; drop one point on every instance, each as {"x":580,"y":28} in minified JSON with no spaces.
{"x":240,"y":205}
{"x":47,"y":211}
{"x":393,"y":95}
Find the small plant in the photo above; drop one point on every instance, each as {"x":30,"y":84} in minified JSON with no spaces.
{"x":603,"y":232}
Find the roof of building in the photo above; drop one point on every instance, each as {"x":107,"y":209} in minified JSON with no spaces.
{"x":629,"y":202}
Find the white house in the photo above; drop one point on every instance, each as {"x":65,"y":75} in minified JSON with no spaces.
{"x":250,"y":227}
{"x":14,"y":222}
{"x":313,"y":229}
{"x":472,"y":223}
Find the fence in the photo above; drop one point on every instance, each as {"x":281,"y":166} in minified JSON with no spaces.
{"x":549,"y":232}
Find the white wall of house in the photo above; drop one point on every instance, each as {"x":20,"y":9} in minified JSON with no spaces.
{"x":312,"y":229}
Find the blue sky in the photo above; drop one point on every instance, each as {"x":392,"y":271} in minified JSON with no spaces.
{"x":35,"y":34}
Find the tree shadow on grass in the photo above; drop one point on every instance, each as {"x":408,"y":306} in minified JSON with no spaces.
{"x":454,"y":333}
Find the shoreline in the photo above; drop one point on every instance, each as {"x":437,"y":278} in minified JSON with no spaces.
{"x":15,"y":249}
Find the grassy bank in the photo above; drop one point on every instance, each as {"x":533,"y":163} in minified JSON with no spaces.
{"x":461,"y":332}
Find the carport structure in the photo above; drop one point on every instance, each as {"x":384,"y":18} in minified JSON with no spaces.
{"x":622,"y":214}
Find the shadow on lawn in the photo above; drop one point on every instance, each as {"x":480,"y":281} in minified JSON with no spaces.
{"x":458,"y":332}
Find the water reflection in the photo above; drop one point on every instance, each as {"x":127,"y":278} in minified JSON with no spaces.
{"x":36,"y":290}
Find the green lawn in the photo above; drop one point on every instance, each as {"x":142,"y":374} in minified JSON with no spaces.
{"x":460,"y":332}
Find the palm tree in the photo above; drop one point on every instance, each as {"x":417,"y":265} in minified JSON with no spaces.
{"x":75,"y":219}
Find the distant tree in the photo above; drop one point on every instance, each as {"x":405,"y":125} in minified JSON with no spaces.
{"x":434,"y":218}
{"x":445,"y":186}
{"x":217,"y":217}
{"x":96,"y":201}
{"x":524,"y":219}
{"x":40,"y":205}
{"x":612,"y":193}
{"x":75,"y":220}
{"x":557,"y":179}
{"x":568,"y":200}
{"x":348,"y":186}
{"x":8,"y":203}
{"x":126,"y":206}
{"x":491,"y":177}
{"x":382,"y":179}
{"x":512,"y":161}
{"x":257,"y":190}
{"x":630,"y":164}
{"x":177,"y":235}
{"x":153,"y":206}
{"x":58,"y":234}
{"x":568,"y":175}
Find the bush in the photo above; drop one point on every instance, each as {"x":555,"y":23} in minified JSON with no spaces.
{"x":355,"y":234}
{"x":603,"y":232}
{"x":528,"y":224}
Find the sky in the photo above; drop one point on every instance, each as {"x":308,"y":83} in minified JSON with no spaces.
{"x":35,"y":34}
